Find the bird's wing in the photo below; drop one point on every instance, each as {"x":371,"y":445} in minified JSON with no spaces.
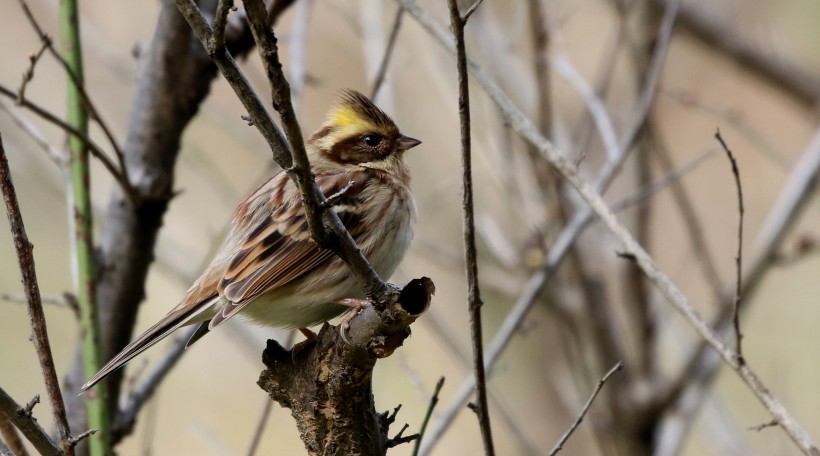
{"x":278,"y":249}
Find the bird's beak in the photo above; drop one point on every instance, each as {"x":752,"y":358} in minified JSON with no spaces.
{"x":406,"y":142}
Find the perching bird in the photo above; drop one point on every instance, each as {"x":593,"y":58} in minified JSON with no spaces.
{"x":269,"y":270}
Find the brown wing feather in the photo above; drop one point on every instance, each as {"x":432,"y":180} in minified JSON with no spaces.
{"x":278,"y":250}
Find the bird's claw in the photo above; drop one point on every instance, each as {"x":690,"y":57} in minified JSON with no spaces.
{"x":357,"y":306}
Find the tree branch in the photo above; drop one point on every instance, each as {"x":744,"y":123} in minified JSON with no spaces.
{"x":25,"y":258}
{"x":563,"y":440}
{"x":327,"y":386}
{"x":739,"y":257}
{"x":468,"y":220}
{"x":28,"y":425}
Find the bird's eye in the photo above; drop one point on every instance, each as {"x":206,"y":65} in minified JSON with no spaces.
{"x":372,"y":140}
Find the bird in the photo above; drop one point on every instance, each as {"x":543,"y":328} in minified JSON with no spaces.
{"x":269,"y":270}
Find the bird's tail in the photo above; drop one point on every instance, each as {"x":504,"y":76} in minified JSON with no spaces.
{"x":168,"y":324}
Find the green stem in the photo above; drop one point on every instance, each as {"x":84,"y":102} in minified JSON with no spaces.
{"x":85,"y":285}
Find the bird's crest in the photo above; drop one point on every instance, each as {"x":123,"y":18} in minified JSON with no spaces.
{"x":354,"y":112}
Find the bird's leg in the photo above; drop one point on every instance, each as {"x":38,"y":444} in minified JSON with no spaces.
{"x":356,"y":306}
{"x":310,"y":338}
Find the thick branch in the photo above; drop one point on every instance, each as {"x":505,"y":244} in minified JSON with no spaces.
{"x":328,"y":386}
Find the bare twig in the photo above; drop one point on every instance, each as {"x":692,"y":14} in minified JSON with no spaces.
{"x":724,"y":35}
{"x":762,"y":426}
{"x":27,"y":424}
{"x":28,"y":75}
{"x":65,"y":300}
{"x":11,"y":437}
{"x":473,"y":290}
{"x":86,"y":100}
{"x":568,"y":434}
{"x":25,"y":257}
{"x":87,"y":142}
{"x":388,"y":53}
{"x":739,"y":257}
{"x":81,"y":437}
{"x":55,"y":154}
{"x":428,"y":414}
{"x":331,"y":200}
{"x":470,"y":11}
{"x":223,"y":8}
{"x":260,"y":426}
{"x":659,"y":184}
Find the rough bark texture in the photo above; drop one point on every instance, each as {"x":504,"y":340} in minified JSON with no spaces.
{"x":327,"y":385}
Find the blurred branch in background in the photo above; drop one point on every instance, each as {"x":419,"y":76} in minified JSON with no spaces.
{"x":733,"y":40}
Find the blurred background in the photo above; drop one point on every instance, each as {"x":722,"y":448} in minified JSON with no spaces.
{"x":210,"y":403}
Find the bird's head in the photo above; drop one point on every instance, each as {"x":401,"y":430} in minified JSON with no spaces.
{"x":356,"y":133}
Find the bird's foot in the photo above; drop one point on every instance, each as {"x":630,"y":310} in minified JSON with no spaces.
{"x":356,"y":307}
{"x":310,"y":339}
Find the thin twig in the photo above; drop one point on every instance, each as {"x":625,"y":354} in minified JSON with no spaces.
{"x":55,"y":154}
{"x":260,"y":426}
{"x":762,"y":426}
{"x":26,"y":423}
{"x":86,"y":100}
{"x":731,"y":39}
{"x":87,"y":141}
{"x":25,"y":258}
{"x":9,"y":434}
{"x":388,"y":53}
{"x":83,"y":436}
{"x":467,"y":207}
{"x":568,"y":434}
{"x":659,"y":184}
{"x":428,"y":414}
{"x":333,"y":199}
{"x":28,"y":75}
{"x":66,"y":300}
{"x":739,"y":257}
{"x":223,"y":8}
{"x":470,"y":11}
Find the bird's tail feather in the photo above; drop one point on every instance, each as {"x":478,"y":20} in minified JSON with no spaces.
{"x":154,"y":334}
